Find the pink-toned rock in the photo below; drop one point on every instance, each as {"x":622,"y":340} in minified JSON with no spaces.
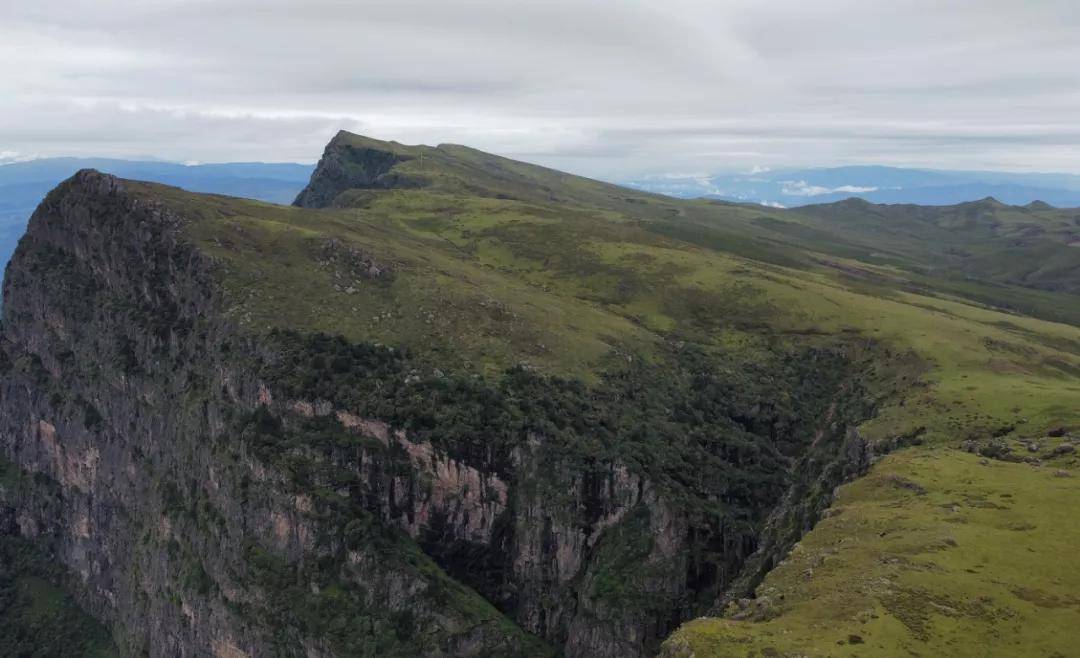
{"x":373,"y":428}
{"x":69,"y":469}
{"x":226,"y":648}
{"x":304,"y":408}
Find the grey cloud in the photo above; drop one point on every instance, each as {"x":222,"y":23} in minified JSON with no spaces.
{"x":610,"y":88}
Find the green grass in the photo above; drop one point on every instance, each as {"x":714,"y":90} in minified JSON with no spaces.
{"x":983,"y":250}
{"x":481,"y":284}
{"x":966,"y":313}
{"x":934,"y":553}
{"x":438,"y":300}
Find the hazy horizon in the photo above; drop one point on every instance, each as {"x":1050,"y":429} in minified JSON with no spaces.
{"x":6,"y":159}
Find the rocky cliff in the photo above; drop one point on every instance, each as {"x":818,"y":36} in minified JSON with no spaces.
{"x":346,"y":165}
{"x":217,"y":490}
{"x":124,"y":386}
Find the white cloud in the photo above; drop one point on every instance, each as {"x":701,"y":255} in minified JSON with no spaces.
{"x":854,"y":189}
{"x":802,"y":188}
{"x":8,"y":157}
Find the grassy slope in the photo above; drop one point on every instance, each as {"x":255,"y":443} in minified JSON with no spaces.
{"x":1012,"y":258}
{"x":933,"y":554}
{"x":1026,"y":246}
{"x":481,"y":283}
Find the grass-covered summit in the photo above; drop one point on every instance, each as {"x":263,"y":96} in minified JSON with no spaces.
{"x":486,"y":263}
{"x":352,"y":162}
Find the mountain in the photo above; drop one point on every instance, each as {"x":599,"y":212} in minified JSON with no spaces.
{"x":450,"y":404}
{"x":799,"y":187}
{"x":23,"y":184}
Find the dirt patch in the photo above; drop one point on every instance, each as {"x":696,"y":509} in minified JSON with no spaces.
{"x":1045,"y":599}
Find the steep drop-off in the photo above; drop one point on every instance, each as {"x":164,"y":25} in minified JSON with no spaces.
{"x":217,"y":489}
{"x":468,"y":406}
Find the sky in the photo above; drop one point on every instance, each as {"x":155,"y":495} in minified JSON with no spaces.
{"x":613,"y":89}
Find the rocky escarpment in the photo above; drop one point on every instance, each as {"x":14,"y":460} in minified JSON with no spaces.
{"x":345,"y":166}
{"x":122,"y":385}
{"x":220,"y":492}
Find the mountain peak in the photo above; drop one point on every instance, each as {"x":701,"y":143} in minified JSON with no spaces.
{"x":352,"y":162}
{"x":1039,"y":205}
{"x":92,"y":178}
{"x":355,"y":140}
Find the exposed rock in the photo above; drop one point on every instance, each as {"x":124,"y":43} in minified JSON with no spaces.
{"x":345,"y":166}
{"x":351,"y":264}
{"x":904,"y":483}
{"x":174,"y":531}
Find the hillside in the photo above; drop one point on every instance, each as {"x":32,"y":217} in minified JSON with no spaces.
{"x":23,"y":184}
{"x":454,"y":404}
{"x":1033,"y":246}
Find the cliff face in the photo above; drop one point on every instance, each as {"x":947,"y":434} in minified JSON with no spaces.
{"x":218,"y":492}
{"x":108,"y":317}
{"x":345,"y":166}
{"x":123,"y":384}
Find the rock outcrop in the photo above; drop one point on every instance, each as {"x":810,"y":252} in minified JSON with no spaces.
{"x":347,"y":166}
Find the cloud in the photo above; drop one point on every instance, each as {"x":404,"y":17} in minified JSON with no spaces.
{"x":802,"y":188}
{"x":676,"y":175}
{"x":8,"y":157}
{"x":609,"y":88}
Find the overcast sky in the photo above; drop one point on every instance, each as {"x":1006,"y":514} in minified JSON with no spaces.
{"x":611,"y":89}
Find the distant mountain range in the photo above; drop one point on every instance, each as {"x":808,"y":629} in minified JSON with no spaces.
{"x":24,"y":184}
{"x":800,"y":187}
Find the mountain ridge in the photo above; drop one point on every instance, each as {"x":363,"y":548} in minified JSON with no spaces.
{"x":24,"y":184}
{"x":523,"y":412}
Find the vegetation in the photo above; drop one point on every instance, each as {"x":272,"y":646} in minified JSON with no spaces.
{"x":715,"y":433}
{"x":471,"y":300}
{"x":621,"y":558}
{"x":481,"y":284}
{"x":338,"y":595}
{"x":37,"y":617}
{"x":674,"y":420}
{"x":341,"y":604}
{"x":936,"y":552}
